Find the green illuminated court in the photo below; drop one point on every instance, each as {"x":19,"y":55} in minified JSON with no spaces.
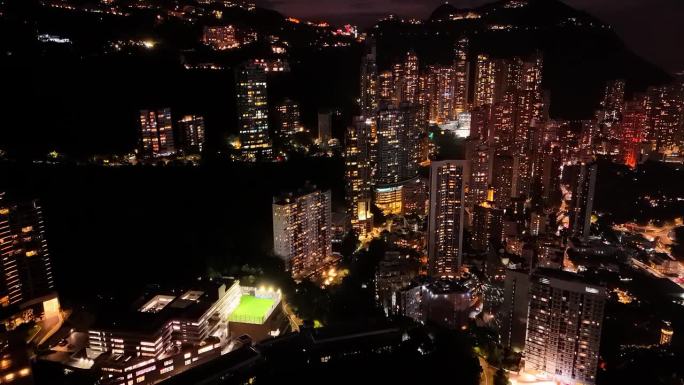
{"x":252,"y":310}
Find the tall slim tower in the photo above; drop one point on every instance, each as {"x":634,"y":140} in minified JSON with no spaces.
{"x":485,"y":77}
{"x":564,"y":326}
{"x":252,"y":109}
{"x":448,"y":180}
{"x":487,"y":229}
{"x":666,"y":118}
{"x":632,"y":130}
{"x":514,"y":309}
{"x":613,"y":99}
{"x":409,"y":93}
{"x":358,"y":175}
{"x":502,"y":179}
{"x":461,"y":75}
{"x":369,"y":79}
{"x":26,"y":279}
{"x":302,"y":232}
{"x":191,"y":130}
{"x":530,"y":101}
{"x":583,"y":200}
{"x":481,"y":160}
{"x":324,"y":126}
{"x":444,"y":101}
{"x":397,"y":147}
{"x":156,"y":133}
{"x":287,"y":116}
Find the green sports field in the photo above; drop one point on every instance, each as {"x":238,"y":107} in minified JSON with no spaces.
{"x":251,"y":310}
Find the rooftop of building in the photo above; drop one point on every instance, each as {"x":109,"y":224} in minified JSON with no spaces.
{"x":252,"y":309}
{"x":287,"y":196}
{"x":565,"y":276}
{"x":443,"y":286}
{"x":158,"y":306}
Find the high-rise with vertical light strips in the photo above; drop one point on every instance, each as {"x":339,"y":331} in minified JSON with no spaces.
{"x":564,"y":326}
{"x":461,"y":75}
{"x":288,"y":119}
{"x":369,"y":79}
{"x":27,"y":279}
{"x":191,"y":130}
{"x":302,"y":232}
{"x":252,"y":109}
{"x":156,"y":133}
{"x":448,"y":181}
{"x":358,"y":175}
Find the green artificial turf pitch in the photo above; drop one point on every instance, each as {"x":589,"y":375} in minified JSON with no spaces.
{"x":251,"y":309}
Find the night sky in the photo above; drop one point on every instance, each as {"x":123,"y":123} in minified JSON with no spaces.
{"x":652,"y":28}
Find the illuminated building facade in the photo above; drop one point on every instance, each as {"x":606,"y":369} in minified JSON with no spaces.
{"x":369,"y":80}
{"x":564,"y":326}
{"x":523,"y":169}
{"x":169,"y":331}
{"x":358,"y":175}
{"x":665,"y":112}
{"x":302,"y":230}
{"x":191,"y":129}
{"x":613,"y":100}
{"x":409,"y":82}
{"x":385,"y":92}
{"x":632,"y":130}
{"x":480,"y":156}
{"x":512,"y":89}
{"x":529,"y":101}
{"x":156,"y":133}
{"x":414,"y":197}
{"x":487,"y":228}
{"x":397,"y":147}
{"x":448,"y":181}
{"x":666,"y":333}
{"x":502,"y":179}
{"x":221,"y":37}
{"x":389,"y":198}
{"x":165,"y":319}
{"x":252,"y":111}
{"x":398,"y":81}
{"x":503,"y":122}
{"x":426,"y":92}
{"x":480,"y":118}
{"x":485,"y":74}
{"x":444,"y":302}
{"x":27,"y":287}
{"x":288,"y":118}
{"x":388,"y":146}
{"x":442,"y":104}
{"x":461,"y":76}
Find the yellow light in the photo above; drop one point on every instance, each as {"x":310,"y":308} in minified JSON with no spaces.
{"x":51,"y":307}
{"x":149,"y":44}
{"x":24,"y":372}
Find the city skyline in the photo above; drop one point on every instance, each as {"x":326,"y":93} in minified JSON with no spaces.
{"x":208,"y":192}
{"x":657,"y":17}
